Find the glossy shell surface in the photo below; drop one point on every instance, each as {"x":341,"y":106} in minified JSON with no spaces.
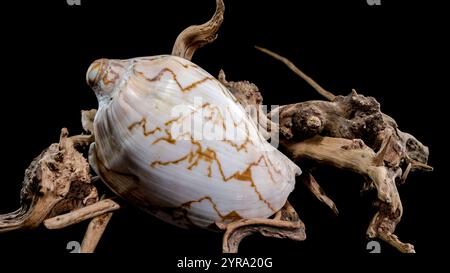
{"x":172,"y":140}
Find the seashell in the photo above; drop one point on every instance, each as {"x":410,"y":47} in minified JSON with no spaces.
{"x":218,"y":168}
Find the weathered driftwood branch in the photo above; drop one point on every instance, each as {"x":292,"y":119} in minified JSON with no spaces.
{"x":94,"y":232}
{"x":288,"y":63}
{"x":348,"y":132}
{"x":79,"y":215}
{"x":353,"y":116}
{"x":352,"y":155}
{"x":57,"y":181}
{"x":285,"y":224}
{"x":194,"y":37}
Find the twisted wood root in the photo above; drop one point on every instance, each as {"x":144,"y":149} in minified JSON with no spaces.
{"x":347,"y":132}
{"x":194,"y":37}
{"x":285,"y":224}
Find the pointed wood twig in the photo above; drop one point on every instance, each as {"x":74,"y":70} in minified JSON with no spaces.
{"x":310,"y":182}
{"x":327,"y":94}
{"x":416,"y":165}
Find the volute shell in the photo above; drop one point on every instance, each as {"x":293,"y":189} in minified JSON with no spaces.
{"x":184,"y":179}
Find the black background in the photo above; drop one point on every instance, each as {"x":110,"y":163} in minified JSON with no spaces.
{"x":392,"y":52}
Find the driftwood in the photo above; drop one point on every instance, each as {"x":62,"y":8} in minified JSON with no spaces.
{"x":57,"y":181}
{"x":347,"y":132}
{"x":94,"y":232}
{"x":79,"y":215}
{"x":284,"y":224}
{"x":194,"y":37}
{"x":350,"y":133}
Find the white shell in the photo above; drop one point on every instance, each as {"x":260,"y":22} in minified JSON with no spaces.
{"x":182,"y":179}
